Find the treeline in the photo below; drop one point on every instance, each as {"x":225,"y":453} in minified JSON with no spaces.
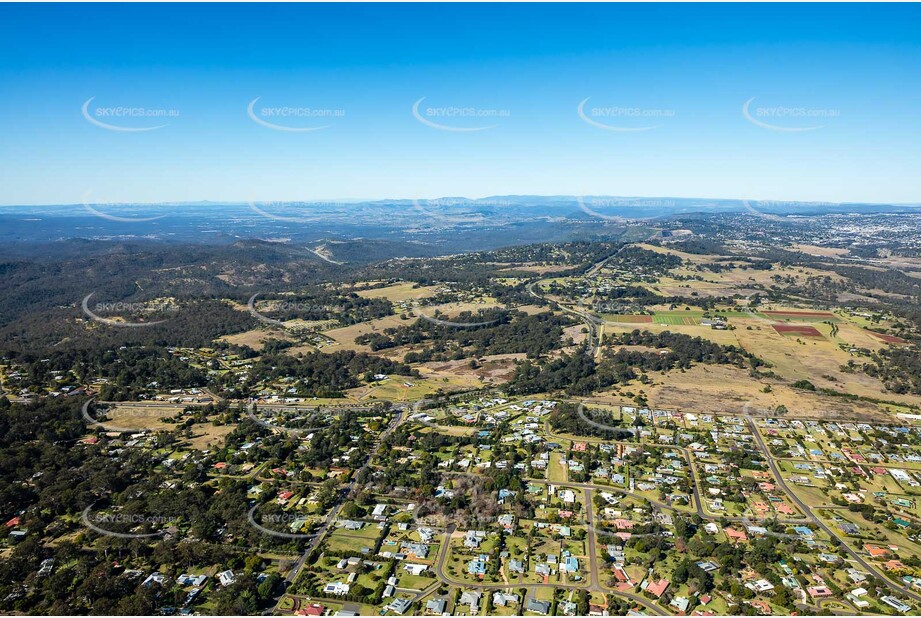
{"x":324,"y":375}
{"x":638,"y":258}
{"x":501,"y":332}
{"x":898,"y":368}
{"x":681,"y":351}
{"x":48,"y":476}
{"x":193,"y":323}
{"x":579,"y":374}
{"x":61,"y":274}
{"x":129,"y":372}
{"x":481,"y":267}
{"x":322,"y":304}
{"x":698,"y":246}
{"x":565,"y":419}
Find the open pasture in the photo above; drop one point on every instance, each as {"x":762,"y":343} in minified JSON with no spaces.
{"x":802,"y":316}
{"x":397,"y":292}
{"x":628,"y":319}
{"x":675,"y":320}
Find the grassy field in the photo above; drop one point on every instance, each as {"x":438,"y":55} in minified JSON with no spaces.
{"x":731,"y":280}
{"x":340,"y":542}
{"x":627,"y":319}
{"x":141,"y":417}
{"x":208,"y":436}
{"x":816,"y":356}
{"x":254,"y":338}
{"x":797,"y":315}
{"x":540,"y":269}
{"x":555,"y":472}
{"x":394,"y":388}
{"x":675,"y":320}
{"x":345,"y":336}
{"x":398,"y":292}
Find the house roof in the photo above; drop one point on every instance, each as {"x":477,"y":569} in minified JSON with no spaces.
{"x":875,"y":550}
{"x":656,"y":588}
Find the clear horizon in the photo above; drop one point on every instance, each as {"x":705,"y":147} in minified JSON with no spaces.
{"x":353,"y":200}
{"x":140,"y":103}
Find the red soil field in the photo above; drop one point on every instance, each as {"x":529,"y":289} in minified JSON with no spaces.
{"x":887,"y":338}
{"x":802,"y":331}
{"x":633,"y":319}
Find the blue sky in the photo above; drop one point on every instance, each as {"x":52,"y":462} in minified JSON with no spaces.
{"x":847,"y":76}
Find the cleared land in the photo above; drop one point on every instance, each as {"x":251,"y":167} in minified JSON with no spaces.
{"x":627,"y":319}
{"x":801,"y":315}
{"x":398,"y":292}
{"x":797,"y":331}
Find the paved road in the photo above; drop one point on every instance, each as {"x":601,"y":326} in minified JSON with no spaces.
{"x":591,"y":321}
{"x":902,"y":590}
{"x":595,"y":585}
{"x":655,"y":503}
{"x":340,"y":500}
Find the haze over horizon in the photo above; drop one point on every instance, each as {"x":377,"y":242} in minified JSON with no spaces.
{"x":314,"y":102}
{"x":460,"y":199}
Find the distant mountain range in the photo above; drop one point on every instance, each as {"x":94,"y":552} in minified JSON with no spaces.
{"x":432,"y":226}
